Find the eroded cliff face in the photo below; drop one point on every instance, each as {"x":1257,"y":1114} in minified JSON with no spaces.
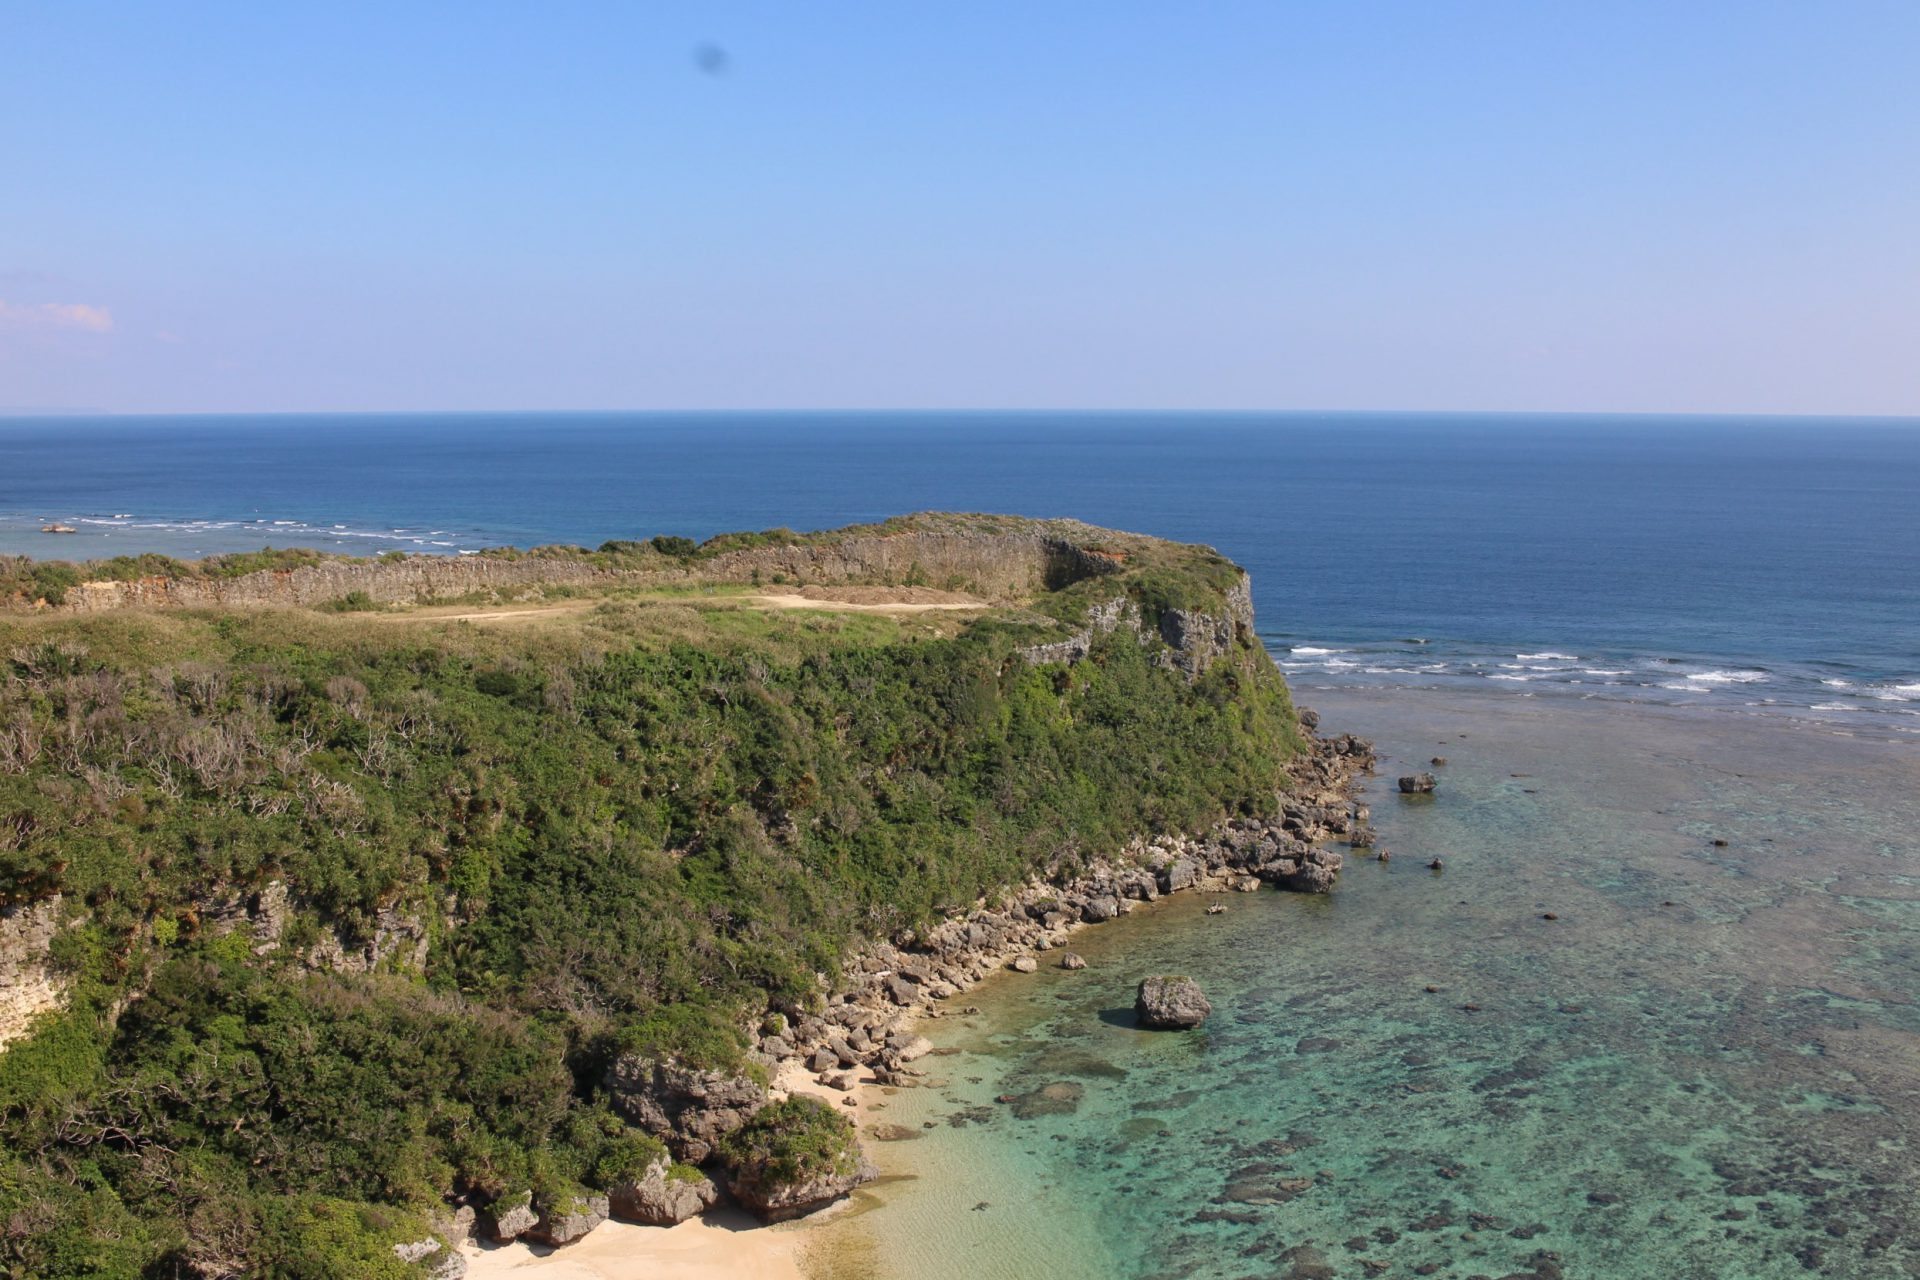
{"x":27,"y":986}
{"x":1018,"y":560}
{"x":1195,"y":639}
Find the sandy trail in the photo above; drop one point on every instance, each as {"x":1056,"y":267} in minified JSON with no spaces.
{"x":505,"y":613}
{"x":894,"y":600}
{"x":882,"y":600}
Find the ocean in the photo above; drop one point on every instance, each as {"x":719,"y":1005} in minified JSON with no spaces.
{"x":1673,"y":666}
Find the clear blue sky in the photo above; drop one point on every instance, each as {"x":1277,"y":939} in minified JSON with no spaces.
{"x":1476,"y":205}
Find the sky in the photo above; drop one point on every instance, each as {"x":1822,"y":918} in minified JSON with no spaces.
{"x":1473,"y":205}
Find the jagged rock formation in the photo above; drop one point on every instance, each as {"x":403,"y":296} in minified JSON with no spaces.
{"x":567,"y":1221}
{"x":663,"y":1195}
{"x":511,"y":1217}
{"x":687,"y":1108}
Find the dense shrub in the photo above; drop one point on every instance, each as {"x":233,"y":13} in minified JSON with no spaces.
{"x":636,"y":835}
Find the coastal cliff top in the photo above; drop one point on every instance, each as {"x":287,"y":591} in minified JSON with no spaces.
{"x":931,"y":561}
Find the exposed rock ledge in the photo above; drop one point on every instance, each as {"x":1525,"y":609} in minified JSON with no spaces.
{"x":27,"y":987}
{"x":997,"y":557}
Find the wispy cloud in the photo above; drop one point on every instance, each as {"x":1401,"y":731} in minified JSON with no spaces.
{"x":55,"y":315}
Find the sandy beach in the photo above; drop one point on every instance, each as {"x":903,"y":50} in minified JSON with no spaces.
{"x":726,"y":1244}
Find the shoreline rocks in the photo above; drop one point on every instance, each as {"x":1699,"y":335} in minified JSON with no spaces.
{"x":782,"y":1159}
{"x":883,"y":989}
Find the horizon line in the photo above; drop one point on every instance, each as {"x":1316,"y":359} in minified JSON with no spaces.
{"x":7,"y":414}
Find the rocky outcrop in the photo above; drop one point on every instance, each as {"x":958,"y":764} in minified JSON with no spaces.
{"x":511,"y":1217}
{"x":688,"y":1108}
{"x":1171,"y":1004}
{"x":665,"y":1195}
{"x":435,"y":1259}
{"x":27,"y":985}
{"x":398,"y":937}
{"x":1102,"y":619}
{"x":794,"y":1157}
{"x":567,"y":1221}
{"x":1418,"y":784}
{"x":1195,"y":640}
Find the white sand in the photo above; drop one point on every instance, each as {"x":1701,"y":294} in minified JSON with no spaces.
{"x":724,"y":1244}
{"x":727,"y":1244}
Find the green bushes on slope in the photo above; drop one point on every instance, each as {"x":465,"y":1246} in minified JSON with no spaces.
{"x":629,"y":836}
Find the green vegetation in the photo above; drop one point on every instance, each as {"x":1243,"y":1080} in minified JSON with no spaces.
{"x":795,"y":1140}
{"x":352,"y":602}
{"x":642,"y":826}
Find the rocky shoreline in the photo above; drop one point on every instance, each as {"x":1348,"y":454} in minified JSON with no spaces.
{"x":868,"y":1023}
{"x":865,"y":1033}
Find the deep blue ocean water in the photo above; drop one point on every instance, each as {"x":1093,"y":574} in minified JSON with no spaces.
{"x":1757,"y":563}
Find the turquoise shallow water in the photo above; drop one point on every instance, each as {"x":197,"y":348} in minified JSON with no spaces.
{"x":1707,"y":1066}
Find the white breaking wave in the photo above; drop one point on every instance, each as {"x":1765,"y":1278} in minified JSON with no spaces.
{"x":1727,"y":677}
{"x":1542,"y":657}
{"x":1308,"y":650}
{"x":1834,"y":706}
{"x":1602,"y":671}
{"x":1838,"y":684}
{"x":1519,"y":678}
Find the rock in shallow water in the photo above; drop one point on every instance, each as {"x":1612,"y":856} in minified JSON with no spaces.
{"x":1171,"y":1003}
{"x":1418,"y":784}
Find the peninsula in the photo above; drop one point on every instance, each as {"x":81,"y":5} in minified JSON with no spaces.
{"x":351,"y":909}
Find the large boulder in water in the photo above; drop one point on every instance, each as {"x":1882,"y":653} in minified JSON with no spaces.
{"x":1418,"y":784}
{"x":690,"y":1108}
{"x":1171,"y":1003}
{"x":794,"y":1157}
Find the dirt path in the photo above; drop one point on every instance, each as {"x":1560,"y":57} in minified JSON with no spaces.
{"x":847,"y":606}
{"x":502,"y":613}
{"x":850,"y":599}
